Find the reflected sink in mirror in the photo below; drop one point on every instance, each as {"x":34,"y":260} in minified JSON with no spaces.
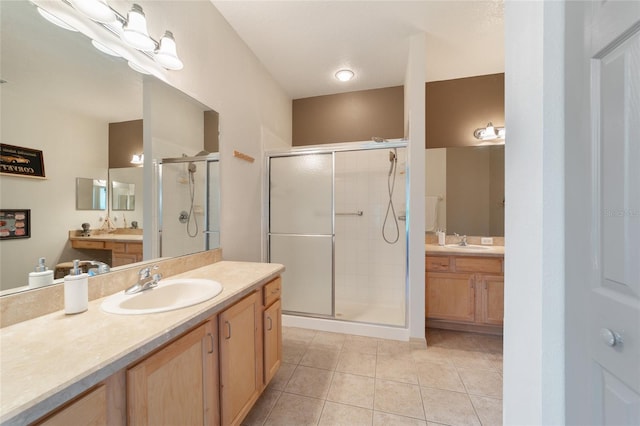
{"x":468,"y":247}
{"x":170,"y":294}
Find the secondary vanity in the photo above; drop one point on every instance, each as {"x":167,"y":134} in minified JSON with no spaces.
{"x":203,"y":364}
{"x":125,"y":245}
{"x":464,"y":287}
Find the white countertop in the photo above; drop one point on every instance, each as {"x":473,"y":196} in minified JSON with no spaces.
{"x":51,"y":359}
{"x":490,"y":251}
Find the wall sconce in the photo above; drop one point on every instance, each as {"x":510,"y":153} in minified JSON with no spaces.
{"x":137,"y":159}
{"x":489,"y":133}
{"x":131,"y":30}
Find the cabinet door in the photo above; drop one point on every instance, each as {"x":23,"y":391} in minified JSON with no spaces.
{"x":176,"y":385}
{"x":272,"y":324}
{"x":240,"y":358}
{"x":90,"y":409}
{"x":491,"y":309}
{"x":119,"y":259}
{"x":450,"y":296}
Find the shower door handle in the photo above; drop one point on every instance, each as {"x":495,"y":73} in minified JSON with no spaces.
{"x":402,"y":217}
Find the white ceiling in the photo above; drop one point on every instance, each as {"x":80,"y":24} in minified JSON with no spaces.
{"x":303,"y":43}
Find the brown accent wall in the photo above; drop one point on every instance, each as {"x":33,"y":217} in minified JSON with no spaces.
{"x":125,"y":139}
{"x":349,"y":117}
{"x":455,"y":108}
{"x":211,"y":134}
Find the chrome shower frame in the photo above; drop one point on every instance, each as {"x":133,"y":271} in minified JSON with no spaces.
{"x":333,"y":149}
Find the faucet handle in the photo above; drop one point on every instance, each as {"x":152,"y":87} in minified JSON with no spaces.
{"x":146,"y":271}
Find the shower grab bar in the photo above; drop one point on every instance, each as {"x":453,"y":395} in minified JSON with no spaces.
{"x":357,"y":213}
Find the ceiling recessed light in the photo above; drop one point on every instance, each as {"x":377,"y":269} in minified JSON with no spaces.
{"x":345,"y":75}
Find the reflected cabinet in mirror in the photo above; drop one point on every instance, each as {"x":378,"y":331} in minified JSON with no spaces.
{"x":81,"y":107}
{"x":470,"y":184}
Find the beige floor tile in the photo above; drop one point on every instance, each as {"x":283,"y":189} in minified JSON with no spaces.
{"x":262,"y":408}
{"x":489,"y":410}
{"x":320,"y":358}
{"x":398,"y":398}
{"x":471,"y":359}
{"x":292,"y":351}
{"x":386,"y":419}
{"x":452,"y":340}
{"x":360,"y":363}
{"x":398,"y":367}
{"x":335,"y":414}
{"x":282,"y":377}
{"x":481,"y":382}
{"x":351,"y":389}
{"x":433,"y":355}
{"x":447,"y":407}
{"x":328,"y":340}
{"x":439,"y":376}
{"x":393,"y":347}
{"x":300,"y":334}
{"x":310,"y":381}
{"x":362,"y":344}
{"x":295,"y":410}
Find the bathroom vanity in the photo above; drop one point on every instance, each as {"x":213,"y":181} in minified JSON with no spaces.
{"x":464,"y":288}
{"x":125,"y":245}
{"x":203,"y":364}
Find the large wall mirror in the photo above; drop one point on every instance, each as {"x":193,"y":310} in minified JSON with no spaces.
{"x":61,"y":96}
{"x":469,"y":181}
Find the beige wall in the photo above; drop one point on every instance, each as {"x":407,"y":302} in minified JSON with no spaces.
{"x":455,"y":108}
{"x":348,"y":117}
{"x":436,"y":181}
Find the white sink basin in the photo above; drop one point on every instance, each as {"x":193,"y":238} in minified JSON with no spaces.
{"x":468,"y":247}
{"x":170,"y":294}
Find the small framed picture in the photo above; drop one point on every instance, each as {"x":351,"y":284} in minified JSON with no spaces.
{"x":15,"y":224}
{"x":19,"y":161}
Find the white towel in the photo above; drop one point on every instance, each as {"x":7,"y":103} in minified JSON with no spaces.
{"x":431,"y":213}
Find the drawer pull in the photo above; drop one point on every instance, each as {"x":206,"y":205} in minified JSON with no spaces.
{"x":270,"y":327}
{"x":228,"y":330}
{"x":212,"y":342}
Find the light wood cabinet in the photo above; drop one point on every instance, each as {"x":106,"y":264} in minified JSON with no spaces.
{"x":464,"y":293}
{"x":122,"y":253}
{"x":103,"y":404}
{"x":177,"y":384}
{"x":241,"y":358}
{"x":272,"y":324}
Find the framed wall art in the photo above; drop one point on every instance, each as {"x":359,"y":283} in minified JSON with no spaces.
{"x":15,"y":224}
{"x":20,"y":161}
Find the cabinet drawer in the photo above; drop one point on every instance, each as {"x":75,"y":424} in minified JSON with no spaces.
{"x":119,"y":247}
{"x":437,"y":263}
{"x":478,"y":264}
{"x":81,"y":244}
{"x":134,"y":248}
{"x":272,"y":291}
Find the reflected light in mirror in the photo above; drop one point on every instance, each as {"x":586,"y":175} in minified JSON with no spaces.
{"x":137,"y":159}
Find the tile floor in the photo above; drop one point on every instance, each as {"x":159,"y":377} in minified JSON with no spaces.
{"x":340,"y":379}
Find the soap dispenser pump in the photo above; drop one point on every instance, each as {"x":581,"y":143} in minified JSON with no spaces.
{"x":42,"y":275}
{"x":76,"y":290}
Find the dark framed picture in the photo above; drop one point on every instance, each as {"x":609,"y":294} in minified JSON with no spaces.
{"x":15,"y":224}
{"x":20,"y":161}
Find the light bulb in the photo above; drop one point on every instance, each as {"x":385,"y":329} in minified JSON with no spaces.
{"x":135,"y":30}
{"x":166,"y":54}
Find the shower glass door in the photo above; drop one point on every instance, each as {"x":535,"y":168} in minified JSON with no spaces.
{"x":301,"y":230}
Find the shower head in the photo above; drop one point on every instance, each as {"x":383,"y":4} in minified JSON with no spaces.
{"x":192,"y":167}
{"x":392,"y":156}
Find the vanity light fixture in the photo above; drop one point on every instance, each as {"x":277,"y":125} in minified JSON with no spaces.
{"x":489,"y":133}
{"x":137,"y":159}
{"x":104,"y":49}
{"x":98,"y":10}
{"x":135,"y":30}
{"x":166,"y":54}
{"x":138,"y":68}
{"x":55,"y":20}
{"x":345,"y":75}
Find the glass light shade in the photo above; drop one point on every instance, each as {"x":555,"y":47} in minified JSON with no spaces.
{"x":137,"y":159}
{"x":166,"y":54}
{"x":345,"y":75}
{"x":135,"y":30}
{"x":55,"y":20}
{"x":104,"y":49}
{"x":98,"y":10}
{"x":137,"y":68}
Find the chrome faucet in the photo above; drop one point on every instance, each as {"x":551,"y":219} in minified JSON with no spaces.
{"x":145,"y":280}
{"x":101,"y":267}
{"x":463,"y":240}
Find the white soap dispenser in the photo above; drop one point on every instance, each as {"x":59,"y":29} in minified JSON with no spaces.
{"x":42,"y":276}
{"x":76,"y":290}
{"x":441,"y":237}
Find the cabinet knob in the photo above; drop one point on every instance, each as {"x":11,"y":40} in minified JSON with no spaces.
{"x":610,"y":338}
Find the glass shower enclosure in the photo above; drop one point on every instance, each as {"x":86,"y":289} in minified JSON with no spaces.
{"x":336,"y":220}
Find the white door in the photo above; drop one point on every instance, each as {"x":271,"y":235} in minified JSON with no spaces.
{"x":603,"y":257}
